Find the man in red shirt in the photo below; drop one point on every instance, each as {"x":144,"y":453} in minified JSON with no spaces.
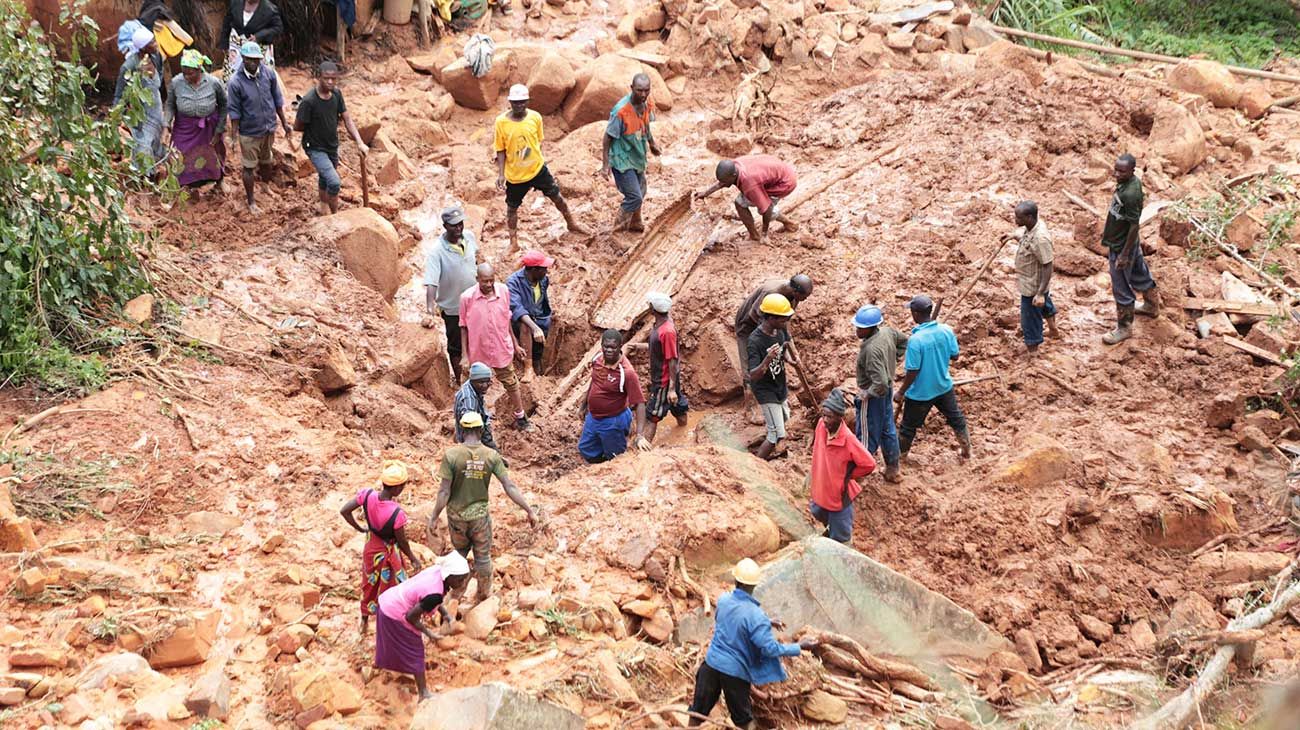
{"x":606,"y":414}
{"x":763,"y":181}
{"x":837,"y":460}
{"x":665,"y":367}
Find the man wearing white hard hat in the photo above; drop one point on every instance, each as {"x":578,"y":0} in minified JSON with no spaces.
{"x":666,"y":394}
{"x":517,"y":141}
{"x":743,"y":651}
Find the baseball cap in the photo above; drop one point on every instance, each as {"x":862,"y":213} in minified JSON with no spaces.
{"x":537,"y":258}
{"x":250,"y":49}
{"x":920,"y":303}
{"x":453,"y":215}
{"x":518,"y":92}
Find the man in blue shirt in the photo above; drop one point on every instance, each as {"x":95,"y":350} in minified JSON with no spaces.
{"x":743,"y":651}
{"x":927,"y":384}
{"x":471,"y":398}
{"x":530,"y":304}
{"x":254,"y":102}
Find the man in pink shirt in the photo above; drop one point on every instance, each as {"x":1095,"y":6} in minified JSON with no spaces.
{"x":487,"y":337}
{"x":763,"y":181}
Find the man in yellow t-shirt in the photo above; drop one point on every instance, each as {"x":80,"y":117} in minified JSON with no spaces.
{"x":520,"y":166}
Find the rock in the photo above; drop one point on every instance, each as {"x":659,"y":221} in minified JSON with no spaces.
{"x":1192,"y":614}
{"x":210,"y":523}
{"x":210,"y":696}
{"x":416,"y":350}
{"x":1225,"y":409}
{"x":978,"y":35}
{"x":1215,"y":323}
{"x":871,"y":50}
{"x":1236,"y":566}
{"x":476,"y":93}
{"x":728,"y":144}
{"x":1140,"y":636}
{"x":425,"y":63}
{"x":189,"y":642}
{"x":30,"y":656}
{"x":1096,"y":629}
{"x":492,"y":706}
{"x":1243,"y":232}
{"x":642,"y":608}
{"x":10,"y":696}
{"x":1177,"y":137}
{"x":948,"y":722}
{"x":1251,"y":438}
{"x":603,"y":82}
{"x":139,"y":309}
{"x":396,"y":169}
{"x":1260,"y":336}
{"x":625,"y":31}
{"x":311,"y":688}
{"x":272,"y":542}
{"x":824,"y":707}
{"x":1255,"y":100}
{"x":309,"y":596}
{"x":534,"y":598}
{"x":1039,"y":467}
{"x":30,"y":583}
{"x":1179,"y":526}
{"x":1027,"y":649}
{"x":333,"y":371}
{"x":611,"y":677}
{"x":294,"y":637}
{"x":659,"y":626}
{"x":1009,"y":55}
{"x":715,"y":367}
{"x":649,"y":18}
{"x":1082,"y":510}
{"x":900,"y":40}
{"x":367,"y":244}
{"x":550,"y":83}
{"x":482,"y":618}
{"x":26,"y":680}
{"x":16,"y":533}
{"x":929,"y":44}
{"x":125,"y":668}
{"x":1206,"y":78}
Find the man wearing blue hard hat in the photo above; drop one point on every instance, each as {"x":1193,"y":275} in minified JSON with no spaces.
{"x":878,"y":355}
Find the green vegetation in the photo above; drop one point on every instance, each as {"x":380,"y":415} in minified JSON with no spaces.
{"x":1240,"y":32}
{"x":58,"y":488}
{"x":67,"y":246}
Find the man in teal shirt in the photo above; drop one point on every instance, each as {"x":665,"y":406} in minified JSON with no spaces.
{"x":623,"y":151}
{"x":927,"y":384}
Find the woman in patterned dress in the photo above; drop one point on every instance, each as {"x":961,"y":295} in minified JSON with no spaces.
{"x":381,"y":565}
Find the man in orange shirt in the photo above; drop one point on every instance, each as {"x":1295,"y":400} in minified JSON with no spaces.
{"x":838,"y":458}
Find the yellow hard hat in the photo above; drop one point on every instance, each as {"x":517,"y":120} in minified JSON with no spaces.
{"x":747,"y":572}
{"x":776,"y":304}
{"x":394,"y":473}
{"x":471,"y":419}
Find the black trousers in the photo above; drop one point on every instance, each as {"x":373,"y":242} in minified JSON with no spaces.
{"x":709,"y":684}
{"x":454,"y":348}
{"x":915,"y":411}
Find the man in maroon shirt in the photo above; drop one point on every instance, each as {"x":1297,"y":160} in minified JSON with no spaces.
{"x":763,"y":181}
{"x":606,"y":414}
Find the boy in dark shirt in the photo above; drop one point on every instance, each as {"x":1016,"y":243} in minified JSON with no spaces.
{"x":319,"y":112}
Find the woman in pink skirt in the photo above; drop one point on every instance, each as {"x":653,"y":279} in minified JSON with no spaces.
{"x":399,"y":646}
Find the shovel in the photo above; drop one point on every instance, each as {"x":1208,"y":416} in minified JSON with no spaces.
{"x":365,"y":184}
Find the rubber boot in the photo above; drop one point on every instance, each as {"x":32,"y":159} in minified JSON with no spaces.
{"x":636,"y":226}
{"x":963,"y":440}
{"x":1123,"y":329}
{"x":621,"y":222}
{"x":1150,"y":306}
{"x":892,"y":474}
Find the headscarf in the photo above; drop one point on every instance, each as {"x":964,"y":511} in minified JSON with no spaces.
{"x":141,"y":39}
{"x":191,"y":58}
{"x":835,"y":401}
{"x":453,"y":563}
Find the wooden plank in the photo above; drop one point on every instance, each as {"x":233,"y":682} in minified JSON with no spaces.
{"x":1260,"y":309}
{"x":1258,"y":352}
{"x":652,"y":59}
{"x":1082,"y":203}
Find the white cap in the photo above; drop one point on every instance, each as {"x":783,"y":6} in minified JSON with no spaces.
{"x":659,"y":302}
{"x":518,"y":92}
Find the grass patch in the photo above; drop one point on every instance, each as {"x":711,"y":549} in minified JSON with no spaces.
{"x":57,"y":489}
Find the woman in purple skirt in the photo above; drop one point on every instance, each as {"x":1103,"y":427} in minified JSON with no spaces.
{"x":196,"y":115}
{"x":399,"y":646}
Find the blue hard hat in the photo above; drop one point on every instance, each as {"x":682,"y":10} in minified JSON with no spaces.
{"x":250,"y":49}
{"x":868,"y":316}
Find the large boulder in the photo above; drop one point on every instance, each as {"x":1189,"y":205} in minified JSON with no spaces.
{"x":1255,"y":100}
{"x":189,"y":642}
{"x":367,"y":244}
{"x":475,"y":92}
{"x":1177,"y":137}
{"x":549,"y":83}
{"x":492,"y":706}
{"x":415,"y":350}
{"x":1208,"y":79}
{"x":603,"y":82}
{"x":16,"y":534}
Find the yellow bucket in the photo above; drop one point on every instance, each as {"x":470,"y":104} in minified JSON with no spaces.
{"x":167,"y":41}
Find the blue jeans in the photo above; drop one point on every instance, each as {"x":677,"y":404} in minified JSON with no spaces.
{"x":631,"y":183}
{"x":875,"y":426}
{"x":1126,"y":284}
{"x":839,"y":524}
{"x":1031,"y":318}
{"x":604,"y":438}
{"x":327,"y":176}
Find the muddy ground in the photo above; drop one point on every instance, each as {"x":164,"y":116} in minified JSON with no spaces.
{"x":218,"y":471}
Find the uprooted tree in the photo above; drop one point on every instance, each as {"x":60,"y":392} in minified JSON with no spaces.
{"x":68,"y":251}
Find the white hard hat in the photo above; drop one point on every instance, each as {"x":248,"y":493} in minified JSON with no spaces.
{"x":518,"y":92}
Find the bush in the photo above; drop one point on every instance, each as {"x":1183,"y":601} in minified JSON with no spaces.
{"x":67,"y":246}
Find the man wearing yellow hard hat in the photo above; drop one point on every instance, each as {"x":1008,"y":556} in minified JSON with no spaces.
{"x":743,"y":651}
{"x":466,"y":472}
{"x":767,"y":349}
{"x":795,"y":289}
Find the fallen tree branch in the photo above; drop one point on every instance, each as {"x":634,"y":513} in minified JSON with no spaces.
{"x":1087,"y":398}
{"x":874,"y":666}
{"x":219,"y":296}
{"x":1181,"y":710}
{"x":1232,"y":251}
{"x":686,"y":578}
{"x":28,"y":424}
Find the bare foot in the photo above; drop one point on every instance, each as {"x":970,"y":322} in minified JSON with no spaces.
{"x":576,"y":228}
{"x":252,"y":208}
